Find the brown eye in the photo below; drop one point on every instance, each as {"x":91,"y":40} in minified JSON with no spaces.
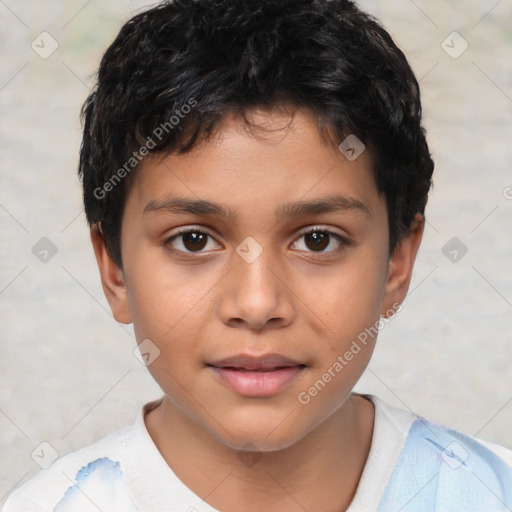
{"x":190,"y":240}
{"x":318,"y":240}
{"x":194,"y":241}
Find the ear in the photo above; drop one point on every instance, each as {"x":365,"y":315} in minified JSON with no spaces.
{"x":401,"y":265}
{"x":112,"y":279}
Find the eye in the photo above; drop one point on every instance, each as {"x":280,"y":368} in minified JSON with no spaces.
{"x":190,"y":240}
{"x":318,"y":239}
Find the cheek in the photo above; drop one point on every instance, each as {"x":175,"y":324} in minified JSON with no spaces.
{"x":353,"y":297}
{"x":173,"y":313}
{"x":353,"y":302}
{"x":163,"y":297}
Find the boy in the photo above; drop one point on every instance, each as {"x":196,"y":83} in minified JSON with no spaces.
{"x":255,"y":176}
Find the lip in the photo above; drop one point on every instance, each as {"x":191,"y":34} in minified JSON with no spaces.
{"x":248,"y":362}
{"x":257,"y":376}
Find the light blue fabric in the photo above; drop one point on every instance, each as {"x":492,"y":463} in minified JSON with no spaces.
{"x":99,"y":486}
{"x":443,"y":470}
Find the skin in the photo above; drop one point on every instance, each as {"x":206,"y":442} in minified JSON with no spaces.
{"x":305,"y":303}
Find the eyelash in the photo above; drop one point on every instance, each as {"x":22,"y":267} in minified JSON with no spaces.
{"x":344,"y":241}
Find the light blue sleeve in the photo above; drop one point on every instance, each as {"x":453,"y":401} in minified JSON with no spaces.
{"x":443,"y":470}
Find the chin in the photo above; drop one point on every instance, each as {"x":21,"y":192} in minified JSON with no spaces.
{"x":259,"y":444}
{"x":259,"y":436}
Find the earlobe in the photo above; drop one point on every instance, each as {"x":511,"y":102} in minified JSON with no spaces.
{"x":401,"y":265}
{"x":112,"y":279}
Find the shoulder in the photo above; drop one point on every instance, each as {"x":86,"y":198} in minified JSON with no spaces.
{"x":84,"y":480}
{"x":442,"y":468}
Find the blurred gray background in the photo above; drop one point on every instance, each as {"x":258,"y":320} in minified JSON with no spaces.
{"x":68,"y":375}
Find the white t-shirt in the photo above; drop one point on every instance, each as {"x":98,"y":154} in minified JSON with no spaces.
{"x":125,"y":472}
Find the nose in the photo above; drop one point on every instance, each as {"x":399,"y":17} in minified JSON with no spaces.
{"x":256,"y":294}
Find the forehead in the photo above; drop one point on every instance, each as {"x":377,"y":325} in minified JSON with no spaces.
{"x":278,"y":161}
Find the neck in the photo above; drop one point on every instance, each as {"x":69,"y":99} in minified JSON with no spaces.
{"x":321,"y":469}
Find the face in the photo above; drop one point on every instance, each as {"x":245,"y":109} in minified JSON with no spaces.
{"x":285,"y":251}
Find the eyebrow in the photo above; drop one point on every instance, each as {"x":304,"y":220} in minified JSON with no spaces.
{"x":329,"y":204}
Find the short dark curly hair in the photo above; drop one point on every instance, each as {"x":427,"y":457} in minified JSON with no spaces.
{"x":176,"y":70}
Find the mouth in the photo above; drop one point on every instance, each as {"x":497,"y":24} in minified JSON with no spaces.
{"x":257,"y":376}
{"x":257,"y":370}
{"x":267,"y":362}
